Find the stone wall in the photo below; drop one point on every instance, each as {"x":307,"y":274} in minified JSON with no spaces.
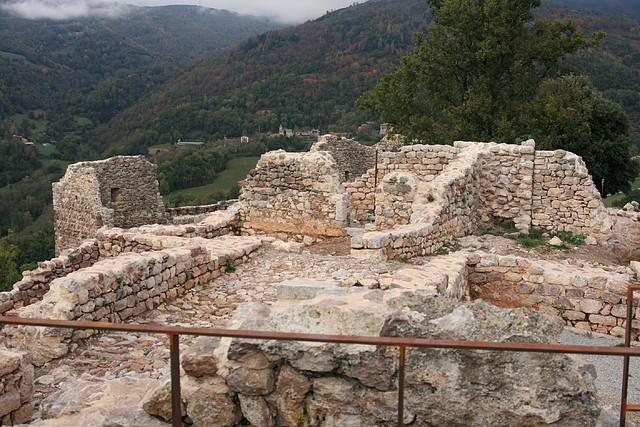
{"x":506,"y":181}
{"x":117,"y":192}
{"x":427,"y":196}
{"x":439,"y":210}
{"x":352,"y":158}
{"x":111,"y":243}
{"x":297,"y":193}
{"x":585,"y":297}
{"x":16,"y":387}
{"x":191,"y":214}
{"x":114,"y":289}
{"x":425,"y":161}
{"x":35,"y":283}
{"x":564,"y":196}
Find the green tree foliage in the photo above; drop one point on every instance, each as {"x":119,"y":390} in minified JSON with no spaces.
{"x":20,"y":253}
{"x":568,"y":113}
{"x":9,"y":273}
{"x":476,"y":72}
{"x":190,"y":170}
{"x":16,"y":161}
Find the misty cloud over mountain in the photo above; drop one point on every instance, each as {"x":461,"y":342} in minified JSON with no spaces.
{"x":62,"y":9}
{"x":285,"y":11}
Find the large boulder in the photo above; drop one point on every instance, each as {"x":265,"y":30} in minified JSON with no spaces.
{"x":299,"y":383}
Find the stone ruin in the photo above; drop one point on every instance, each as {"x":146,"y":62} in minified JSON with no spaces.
{"x":396,"y":204}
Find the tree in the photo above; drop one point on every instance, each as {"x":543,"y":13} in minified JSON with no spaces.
{"x":569,"y":113}
{"x":475,"y":74}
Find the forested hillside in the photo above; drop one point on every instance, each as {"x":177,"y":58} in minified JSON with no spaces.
{"x":309,"y":76}
{"x":100,"y":87}
{"x":58,"y":79}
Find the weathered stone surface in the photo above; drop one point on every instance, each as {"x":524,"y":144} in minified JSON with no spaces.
{"x":625,"y":239}
{"x":112,"y":402}
{"x":207,"y":408}
{"x":199,"y":359}
{"x":158,"y":401}
{"x":253,"y":382}
{"x":256,"y":411}
{"x":341,"y":385}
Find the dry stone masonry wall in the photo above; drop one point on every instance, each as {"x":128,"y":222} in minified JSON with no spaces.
{"x":585,"y":297}
{"x":16,"y":387}
{"x":114,"y":289}
{"x":117,"y":192}
{"x":298,"y":193}
{"x":419,"y":198}
{"x":35,"y":283}
{"x":564,"y":196}
{"x":352,"y":158}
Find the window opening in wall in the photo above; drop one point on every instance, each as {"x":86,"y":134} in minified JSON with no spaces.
{"x":116,"y":193}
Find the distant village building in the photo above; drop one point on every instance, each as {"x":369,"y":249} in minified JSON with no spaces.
{"x":24,"y":140}
{"x":244,"y":139}
{"x":285,"y":132}
{"x":196,"y":142}
{"x":385,"y":129}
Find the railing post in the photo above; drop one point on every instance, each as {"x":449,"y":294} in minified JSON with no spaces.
{"x":401,"y":386}
{"x":176,"y":400}
{"x":625,"y":366}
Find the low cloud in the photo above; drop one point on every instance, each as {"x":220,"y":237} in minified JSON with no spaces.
{"x":285,"y":11}
{"x":62,"y":9}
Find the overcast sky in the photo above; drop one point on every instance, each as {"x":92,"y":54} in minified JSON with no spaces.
{"x":287,"y":11}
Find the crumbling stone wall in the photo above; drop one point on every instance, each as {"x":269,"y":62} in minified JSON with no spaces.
{"x":439,"y":210}
{"x":111,"y":243}
{"x":564,"y":196}
{"x":297,"y":193}
{"x":16,"y":387}
{"x":550,"y":190}
{"x":425,"y":161}
{"x":114,"y":289}
{"x":35,"y":283}
{"x":352,"y":158}
{"x":506,"y":181}
{"x":117,"y":192}
{"x":585,"y":297}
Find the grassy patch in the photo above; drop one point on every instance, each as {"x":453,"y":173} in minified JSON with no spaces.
{"x":608,"y":202}
{"x":572,"y":239}
{"x":531,"y":240}
{"x":83,"y":121}
{"x":12,"y":56}
{"x":237,"y":169}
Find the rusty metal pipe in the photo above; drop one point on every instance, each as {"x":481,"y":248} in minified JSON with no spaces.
{"x":341,"y":339}
{"x":401,"y":386}
{"x":176,"y":400}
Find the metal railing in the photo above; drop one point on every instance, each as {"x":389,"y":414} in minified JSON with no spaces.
{"x":402,"y":343}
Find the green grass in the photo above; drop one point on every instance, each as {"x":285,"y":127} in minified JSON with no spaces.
{"x":46,"y":151}
{"x":154,"y":148}
{"x":608,"y":202}
{"x":11,"y":56}
{"x":83,"y":121}
{"x":237,"y":169}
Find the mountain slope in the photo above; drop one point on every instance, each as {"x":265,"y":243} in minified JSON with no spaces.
{"x":310,"y":75}
{"x":95,"y":67}
{"x":303,"y":76}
